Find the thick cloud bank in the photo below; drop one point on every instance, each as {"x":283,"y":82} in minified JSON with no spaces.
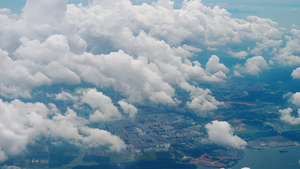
{"x":125,"y":46}
{"x":221,"y":133}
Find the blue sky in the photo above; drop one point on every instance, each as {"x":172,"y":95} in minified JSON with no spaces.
{"x":14,"y":5}
{"x":283,"y":12}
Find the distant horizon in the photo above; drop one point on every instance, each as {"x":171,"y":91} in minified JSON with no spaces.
{"x":278,"y":11}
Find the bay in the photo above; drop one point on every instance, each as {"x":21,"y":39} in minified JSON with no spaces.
{"x":270,"y":158}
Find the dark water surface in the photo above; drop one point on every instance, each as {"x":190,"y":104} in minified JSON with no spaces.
{"x":272,"y":158}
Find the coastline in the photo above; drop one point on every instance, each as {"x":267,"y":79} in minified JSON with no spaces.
{"x":268,"y":158}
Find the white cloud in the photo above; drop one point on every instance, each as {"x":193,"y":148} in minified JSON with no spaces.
{"x":48,"y":56}
{"x":289,"y":55}
{"x":140,"y":131}
{"x":267,"y":45}
{"x":296,"y":73}
{"x":5,"y":11}
{"x":201,"y":100}
{"x":212,"y":49}
{"x":286,"y":113}
{"x":240,"y":54}
{"x":253,"y":65}
{"x":295,"y":99}
{"x":221,"y":133}
{"x":20,"y":123}
{"x":191,"y":48}
{"x":193,"y":21}
{"x":65,"y":96}
{"x":287,"y":59}
{"x":213,"y":65}
{"x":96,"y":138}
{"x":236,"y":73}
{"x":162,"y":97}
{"x":128,"y":108}
{"x":185,"y":51}
{"x":136,"y":80}
{"x":286,"y":116}
{"x":105,"y":110}
{"x":35,"y":11}
{"x":146,"y":67}
{"x":76,"y":132}
{"x":13,"y":72}
{"x":23,"y":123}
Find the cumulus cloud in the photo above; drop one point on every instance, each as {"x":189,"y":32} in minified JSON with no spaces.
{"x":23,"y":123}
{"x":296,"y":73}
{"x":201,"y":100}
{"x":65,"y":96}
{"x":253,"y":65}
{"x":267,"y":46}
{"x":213,"y":65}
{"x":20,"y":123}
{"x":289,"y":55}
{"x":12,"y":72}
{"x":286,"y":116}
{"x":128,"y":108}
{"x":286,"y":113}
{"x":236,"y":73}
{"x":186,"y":51}
{"x":295,"y":99}
{"x":5,"y":11}
{"x":105,"y":109}
{"x":221,"y":133}
{"x":240,"y":54}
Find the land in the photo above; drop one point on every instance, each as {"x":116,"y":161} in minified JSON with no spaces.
{"x":177,"y":137}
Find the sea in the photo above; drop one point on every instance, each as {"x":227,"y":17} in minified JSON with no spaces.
{"x":270,"y":158}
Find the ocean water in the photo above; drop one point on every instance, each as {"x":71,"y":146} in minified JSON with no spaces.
{"x":272,"y":158}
